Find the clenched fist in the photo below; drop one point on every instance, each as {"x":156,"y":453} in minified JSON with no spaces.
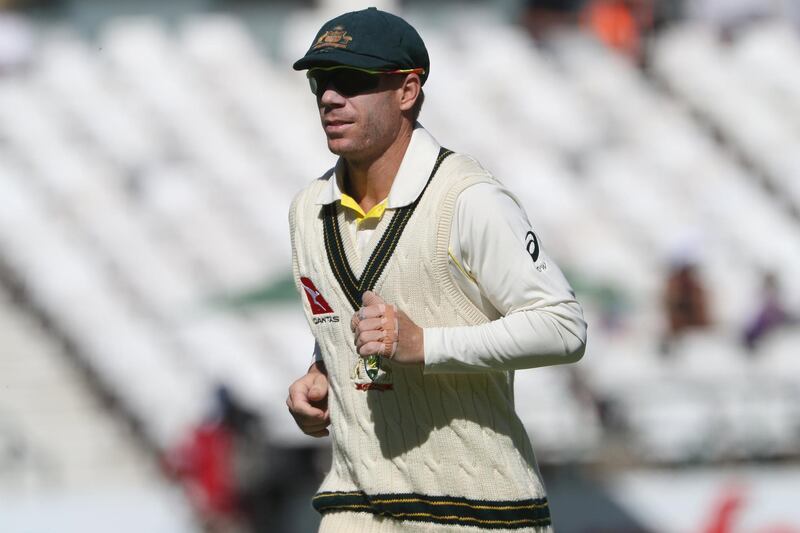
{"x":382,"y":329}
{"x":308,"y":401}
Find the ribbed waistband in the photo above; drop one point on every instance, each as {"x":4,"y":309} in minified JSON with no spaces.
{"x":511,"y":515}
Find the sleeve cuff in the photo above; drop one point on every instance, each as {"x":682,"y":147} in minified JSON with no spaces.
{"x":437,"y":360}
{"x":432,"y":346}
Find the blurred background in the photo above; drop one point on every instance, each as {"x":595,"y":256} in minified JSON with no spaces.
{"x":149,"y":326}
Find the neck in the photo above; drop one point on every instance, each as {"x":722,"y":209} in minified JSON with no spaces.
{"x":369,"y":180}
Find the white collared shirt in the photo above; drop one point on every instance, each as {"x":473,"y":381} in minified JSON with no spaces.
{"x":536,"y":320}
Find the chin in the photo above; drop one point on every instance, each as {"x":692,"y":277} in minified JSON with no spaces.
{"x":340,"y":146}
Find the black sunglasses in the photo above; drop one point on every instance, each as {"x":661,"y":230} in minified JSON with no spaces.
{"x":349,"y":81}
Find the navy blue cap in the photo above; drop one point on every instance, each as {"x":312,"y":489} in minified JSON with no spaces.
{"x":370,"y":39}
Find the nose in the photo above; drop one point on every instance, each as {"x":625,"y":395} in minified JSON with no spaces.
{"x":331,"y":97}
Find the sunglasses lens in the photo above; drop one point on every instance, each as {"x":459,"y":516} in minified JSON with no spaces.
{"x":346,"y":81}
{"x":313,"y":83}
{"x":354,"y":82}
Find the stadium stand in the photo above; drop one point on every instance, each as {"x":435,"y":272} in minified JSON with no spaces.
{"x":151,"y":170}
{"x":57,"y":438}
{"x":754,"y":110}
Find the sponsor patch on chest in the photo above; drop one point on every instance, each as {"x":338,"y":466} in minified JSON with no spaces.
{"x":320,"y":308}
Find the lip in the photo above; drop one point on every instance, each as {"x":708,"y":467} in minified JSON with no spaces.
{"x":335,"y":126}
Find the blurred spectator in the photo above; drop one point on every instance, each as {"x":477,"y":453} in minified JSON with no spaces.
{"x":770,"y":314}
{"x":730,"y":14}
{"x":543,"y":18}
{"x":16,"y":42}
{"x":221,"y":464}
{"x":620,"y":24}
{"x":668,"y":12}
{"x":685,"y":301}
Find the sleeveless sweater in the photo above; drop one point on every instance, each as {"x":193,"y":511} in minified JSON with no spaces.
{"x":445,"y":449}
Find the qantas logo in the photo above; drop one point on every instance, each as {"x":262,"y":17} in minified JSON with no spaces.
{"x":317,"y":302}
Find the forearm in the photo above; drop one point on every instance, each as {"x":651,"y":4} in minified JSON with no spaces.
{"x":523,"y":339}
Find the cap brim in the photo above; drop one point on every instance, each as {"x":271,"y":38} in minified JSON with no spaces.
{"x":331,"y":57}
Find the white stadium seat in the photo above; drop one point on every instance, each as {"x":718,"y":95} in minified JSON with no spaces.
{"x":155,"y":167}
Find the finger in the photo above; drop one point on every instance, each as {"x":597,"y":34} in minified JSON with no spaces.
{"x":313,"y":428}
{"x":372,"y":311}
{"x":298,"y":388}
{"x":385,"y":346}
{"x":369,"y":336}
{"x":321,"y":419}
{"x":315,"y":394}
{"x":310,"y":424}
{"x":301,"y":407}
{"x":390,"y":317}
{"x":371,"y":298}
{"x":392,"y":333}
{"x":322,"y":433}
{"x":369,"y":325}
{"x":371,"y":348}
{"x":319,"y":389}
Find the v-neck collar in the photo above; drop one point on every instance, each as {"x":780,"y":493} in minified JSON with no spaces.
{"x":341,"y":251}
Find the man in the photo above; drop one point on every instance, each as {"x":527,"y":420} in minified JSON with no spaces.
{"x":425,"y":287}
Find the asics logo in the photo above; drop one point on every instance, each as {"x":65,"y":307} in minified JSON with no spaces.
{"x":532,"y":245}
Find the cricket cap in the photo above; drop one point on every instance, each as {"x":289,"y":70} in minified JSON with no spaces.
{"x":369,"y":39}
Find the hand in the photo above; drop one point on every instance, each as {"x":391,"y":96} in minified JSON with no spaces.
{"x":382,"y":329}
{"x":308,"y":402}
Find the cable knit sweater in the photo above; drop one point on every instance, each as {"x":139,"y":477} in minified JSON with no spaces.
{"x":441,"y":451}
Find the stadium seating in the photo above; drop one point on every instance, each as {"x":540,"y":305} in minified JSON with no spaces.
{"x":60,"y":445}
{"x":152,"y":169}
{"x":755,"y":111}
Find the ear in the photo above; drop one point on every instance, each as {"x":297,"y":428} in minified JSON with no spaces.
{"x":409,"y":91}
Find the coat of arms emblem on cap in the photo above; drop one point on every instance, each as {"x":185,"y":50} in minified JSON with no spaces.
{"x":335,"y":38}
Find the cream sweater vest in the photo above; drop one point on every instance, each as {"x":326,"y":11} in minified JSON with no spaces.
{"x":444,"y":449}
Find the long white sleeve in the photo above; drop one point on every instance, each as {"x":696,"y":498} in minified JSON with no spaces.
{"x":499,"y":263}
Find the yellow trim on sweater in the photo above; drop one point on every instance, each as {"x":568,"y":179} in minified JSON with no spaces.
{"x":434,"y":502}
{"x":462,"y":519}
{"x":337,"y":494}
{"x":461,"y":268}
{"x":464,"y":504}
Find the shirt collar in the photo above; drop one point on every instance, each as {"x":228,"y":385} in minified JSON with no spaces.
{"x":413,"y":174}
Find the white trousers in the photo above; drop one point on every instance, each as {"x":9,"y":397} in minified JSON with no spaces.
{"x":346,"y":522}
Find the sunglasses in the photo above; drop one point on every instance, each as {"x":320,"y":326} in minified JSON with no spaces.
{"x":349,"y":81}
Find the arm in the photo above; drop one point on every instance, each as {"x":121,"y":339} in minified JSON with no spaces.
{"x":541,"y":323}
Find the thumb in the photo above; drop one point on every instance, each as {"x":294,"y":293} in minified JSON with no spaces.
{"x":371,"y":298}
{"x":318,"y":390}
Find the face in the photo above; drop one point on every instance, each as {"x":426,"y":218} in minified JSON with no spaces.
{"x":360,"y":125}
